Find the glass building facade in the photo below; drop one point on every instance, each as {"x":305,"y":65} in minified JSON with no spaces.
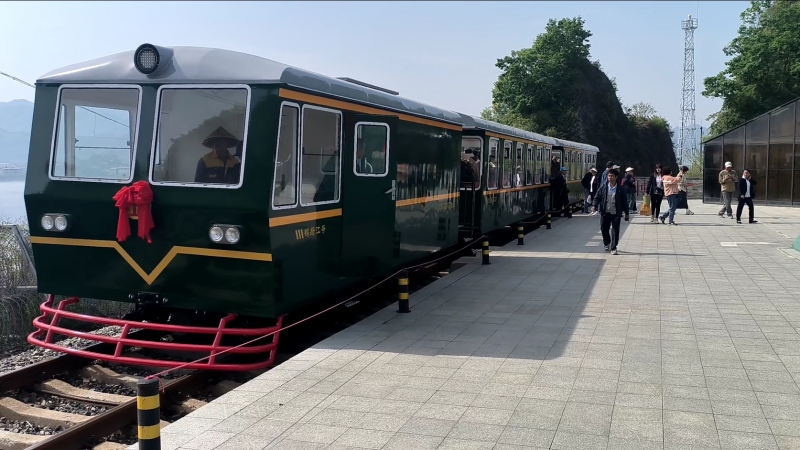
{"x":769,"y":147}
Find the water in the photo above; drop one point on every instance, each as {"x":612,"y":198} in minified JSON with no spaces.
{"x":12,"y":203}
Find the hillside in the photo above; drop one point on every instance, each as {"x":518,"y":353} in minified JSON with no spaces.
{"x":639,"y":142}
{"x":553,"y":88}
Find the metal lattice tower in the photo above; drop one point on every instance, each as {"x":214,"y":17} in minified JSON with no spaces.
{"x":687,"y":145}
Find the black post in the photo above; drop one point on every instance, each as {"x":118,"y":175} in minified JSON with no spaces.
{"x":485,"y":251}
{"x":520,"y":235}
{"x":548,"y":221}
{"x":148,"y":414}
{"x":402,"y":292}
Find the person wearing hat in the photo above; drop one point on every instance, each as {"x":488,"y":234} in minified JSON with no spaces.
{"x":629,"y":185}
{"x":590,"y":184}
{"x":727,"y":179}
{"x":219,"y":165}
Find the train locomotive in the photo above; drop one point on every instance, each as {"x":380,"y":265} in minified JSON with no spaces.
{"x":219,"y":191}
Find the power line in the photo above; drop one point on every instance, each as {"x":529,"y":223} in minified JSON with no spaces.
{"x":82,"y":107}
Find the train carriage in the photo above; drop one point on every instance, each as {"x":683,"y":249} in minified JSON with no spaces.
{"x":513,"y":175}
{"x":219,"y":191}
{"x":249,"y":178}
{"x":581,"y":158}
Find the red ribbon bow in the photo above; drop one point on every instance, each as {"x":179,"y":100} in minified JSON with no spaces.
{"x":138,"y":195}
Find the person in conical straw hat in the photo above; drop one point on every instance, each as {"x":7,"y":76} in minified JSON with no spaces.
{"x":219,"y":165}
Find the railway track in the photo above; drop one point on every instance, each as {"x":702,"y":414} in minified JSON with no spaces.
{"x":116,"y":412}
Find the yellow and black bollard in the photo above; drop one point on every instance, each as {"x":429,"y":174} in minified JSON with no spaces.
{"x":148,"y":414}
{"x":402,"y":292}
{"x":520,"y":235}
{"x":548,"y":221}
{"x":569,"y":212}
{"x":485,"y":251}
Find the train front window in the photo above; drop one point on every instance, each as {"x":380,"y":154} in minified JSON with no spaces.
{"x":95,"y":134}
{"x":200,"y":136}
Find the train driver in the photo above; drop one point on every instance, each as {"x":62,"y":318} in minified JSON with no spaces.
{"x":219,"y":165}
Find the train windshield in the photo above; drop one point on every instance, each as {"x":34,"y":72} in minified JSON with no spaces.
{"x":200,"y":136}
{"x":95,"y":134}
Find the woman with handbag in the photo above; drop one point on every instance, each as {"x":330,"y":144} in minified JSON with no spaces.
{"x":683,"y":194}
{"x":655,"y":189}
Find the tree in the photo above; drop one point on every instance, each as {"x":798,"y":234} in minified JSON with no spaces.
{"x":554,"y":88}
{"x":764,"y":69}
{"x":642,"y":110}
{"x":540,"y":83}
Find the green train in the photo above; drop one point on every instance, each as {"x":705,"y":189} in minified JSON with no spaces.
{"x":219,"y":191}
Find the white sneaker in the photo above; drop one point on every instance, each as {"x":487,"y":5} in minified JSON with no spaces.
{"x":614,"y":252}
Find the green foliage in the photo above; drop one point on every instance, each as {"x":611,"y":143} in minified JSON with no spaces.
{"x":764,"y":69}
{"x":540,"y":83}
{"x":553,"y":88}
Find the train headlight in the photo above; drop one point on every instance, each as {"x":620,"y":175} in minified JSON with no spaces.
{"x":47,"y":223}
{"x":215,"y":234}
{"x":149,"y":59}
{"x":56,"y":222}
{"x":61,"y":223}
{"x":225,"y":234}
{"x":232,"y":235}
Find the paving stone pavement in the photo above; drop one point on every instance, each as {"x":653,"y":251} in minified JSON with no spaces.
{"x":688,"y":339}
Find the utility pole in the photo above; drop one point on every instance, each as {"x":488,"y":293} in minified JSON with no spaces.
{"x":687,"y":144}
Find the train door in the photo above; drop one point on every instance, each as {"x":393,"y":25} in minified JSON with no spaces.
{"x":369,"y":195}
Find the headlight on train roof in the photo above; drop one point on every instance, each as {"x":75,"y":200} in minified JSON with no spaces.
{"x":232,"y":235}
{"x":149,"y":58}
{"x":215,"y":234}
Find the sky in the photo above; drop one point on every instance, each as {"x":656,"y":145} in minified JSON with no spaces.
{"x":440,"y":53}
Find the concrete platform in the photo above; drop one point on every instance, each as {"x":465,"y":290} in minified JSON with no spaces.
{"x":688,"y":339}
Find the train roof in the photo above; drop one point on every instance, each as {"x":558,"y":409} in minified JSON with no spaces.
{"x":577,"y":145}
{"x":200,"y":65}
{"x":476,"y":122}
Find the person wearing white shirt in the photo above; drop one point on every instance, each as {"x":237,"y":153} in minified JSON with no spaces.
{"x":746,"y":194}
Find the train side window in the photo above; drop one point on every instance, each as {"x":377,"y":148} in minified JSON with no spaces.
{"x":284,"y":190}
{"x":200,"y":136}
{"x":95,"y":135}
{"x":507,"y":163}
{"x":494,"y":164}
{"x":519,"y":174}
{"x":530,"y":166}
{"x":471,"y":150}
{"x":320,"y":159}
{"x":371,"y":150}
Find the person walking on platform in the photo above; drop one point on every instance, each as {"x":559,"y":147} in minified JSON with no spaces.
{"x":655,"y":189}
{"x":611,"y":203}
{"x":589,"y":183}
{"x":727,"y":179}
{"x":629,"y":183}
{"x":746,"y":194}
{"x":683,"y":194}
{"x":671,"y":193}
